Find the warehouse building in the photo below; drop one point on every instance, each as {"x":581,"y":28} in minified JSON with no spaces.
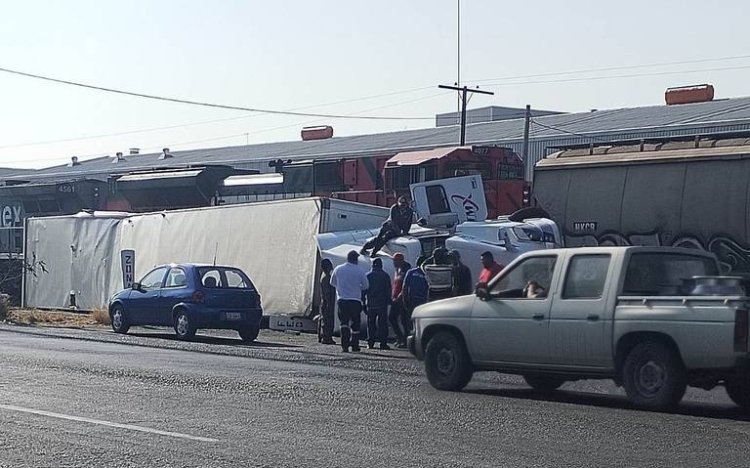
{"x":323,"y":164}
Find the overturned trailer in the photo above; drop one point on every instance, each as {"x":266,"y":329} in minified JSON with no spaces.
{"x":274,"y":242}
{"x":693,"y":193}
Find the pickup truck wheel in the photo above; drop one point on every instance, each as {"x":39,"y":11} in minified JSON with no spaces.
{"x":653,"y":376}
{"x":738,"y":389}
{"x":249,"y":334}
{"x":183,"y":325}
{"x":119,"y":320}
{"x":447,"y":362}
{"x":543,"y":384}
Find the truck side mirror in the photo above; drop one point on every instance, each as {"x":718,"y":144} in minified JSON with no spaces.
{"x":483,"y":294}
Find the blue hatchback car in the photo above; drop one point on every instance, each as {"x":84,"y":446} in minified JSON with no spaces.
{"x":189,"y":297}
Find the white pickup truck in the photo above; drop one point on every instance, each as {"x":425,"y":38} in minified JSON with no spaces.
{"x":632,"y":314}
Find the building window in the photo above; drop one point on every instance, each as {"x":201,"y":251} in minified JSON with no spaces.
{"x":510,"y":171}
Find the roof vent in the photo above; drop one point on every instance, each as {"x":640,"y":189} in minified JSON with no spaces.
{"x":689,"y":94}
{"x":74,"y":161}
{"x":165,"y":154}
{"x":135,"y":151}
{"x":321,"y":132}
{"x":118,"y":158}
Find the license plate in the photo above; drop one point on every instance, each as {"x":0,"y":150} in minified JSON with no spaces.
{"x":234,"y":316}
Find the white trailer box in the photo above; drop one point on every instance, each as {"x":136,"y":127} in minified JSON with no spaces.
{"x":273,"y":242}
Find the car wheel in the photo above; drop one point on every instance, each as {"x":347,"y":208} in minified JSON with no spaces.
{"x":542,"y":383}
{"x":249,"y":334}
{"x":447,"y":362}
{"x":738,"y":389}
{"x":653,"y":376}
{"x":183,"y":325}
{"x":119,"y":320}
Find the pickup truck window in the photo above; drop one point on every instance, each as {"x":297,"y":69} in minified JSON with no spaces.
{"x":586,"y":276}
{"x":662,"y":274}
{"x":529,"y":279}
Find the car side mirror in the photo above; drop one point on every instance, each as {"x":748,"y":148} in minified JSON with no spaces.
{"x":136,"y":286}
{"x":483,"y":294}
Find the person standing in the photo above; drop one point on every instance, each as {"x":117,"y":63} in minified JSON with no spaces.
{"x":397,"y":315}
{"x":378,"y":298}
{"x":350,"y":282}
{"x":490,"y":269}
{"x":327,"y":303}
{"x":398,"y":224}
{"x":416,"y":290}
{"x":462,"y":275}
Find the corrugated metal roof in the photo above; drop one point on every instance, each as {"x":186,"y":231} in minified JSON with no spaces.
{"x":719,"y":115}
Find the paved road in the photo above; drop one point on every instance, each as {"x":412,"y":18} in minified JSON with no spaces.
{"x":91,"y":398}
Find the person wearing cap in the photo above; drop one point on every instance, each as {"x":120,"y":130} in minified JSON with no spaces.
{"x":377,"y":300}
{"x":397,"y":316}
{"x":350,"y":282}
{"x":398,"y":224}
{"x":327,"y":303}
{"x":462,"y":275}
{"x":490,"y":269}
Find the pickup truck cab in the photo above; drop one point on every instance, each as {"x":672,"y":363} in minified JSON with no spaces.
{"x":622,"y":313}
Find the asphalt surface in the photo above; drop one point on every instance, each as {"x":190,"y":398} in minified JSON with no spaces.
{"x":93,"y":398}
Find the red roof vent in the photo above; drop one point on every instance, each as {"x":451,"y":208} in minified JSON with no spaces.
{"x":689,"y":94}
{"x":321,"y":132}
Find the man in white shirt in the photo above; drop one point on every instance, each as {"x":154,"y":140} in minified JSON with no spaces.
{"x":350,"y":282}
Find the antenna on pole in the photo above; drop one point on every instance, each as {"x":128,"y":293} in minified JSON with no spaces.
{"x":216,"y":252}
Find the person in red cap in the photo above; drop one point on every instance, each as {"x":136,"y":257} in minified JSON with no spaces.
{"x":398,"y":317}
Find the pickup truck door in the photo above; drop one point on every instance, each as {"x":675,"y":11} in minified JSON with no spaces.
{"x":511,"y":326}
{"x":581,"y":319}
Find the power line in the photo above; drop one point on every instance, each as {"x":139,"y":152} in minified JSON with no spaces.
{"x":204,"y":122}
{"x":609,"y":77}
{"x":236,"y":135}
{"x":623,"y":67}
{"x":203,"y":104}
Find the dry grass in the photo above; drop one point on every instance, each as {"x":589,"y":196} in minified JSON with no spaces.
{"x":101,"y":316}
{"x":51,"y":318}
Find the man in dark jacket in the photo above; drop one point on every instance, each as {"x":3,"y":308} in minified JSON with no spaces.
{"x":416,"y":291}
{"x":397,"y":225}
{"x":461,"y":276}
{"x":328,"y":303}
{"x":377,"y":300}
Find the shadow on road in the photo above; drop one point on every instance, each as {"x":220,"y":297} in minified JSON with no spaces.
{"x":686,"y":408}
{"x":215,"y":340}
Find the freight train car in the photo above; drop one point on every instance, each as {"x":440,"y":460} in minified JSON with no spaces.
{"x":679,"y":193}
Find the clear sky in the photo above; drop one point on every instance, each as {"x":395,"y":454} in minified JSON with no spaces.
{"x":288,"y":54}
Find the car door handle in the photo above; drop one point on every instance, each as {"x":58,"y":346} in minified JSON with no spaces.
{"x":592,"y":318}
{"x":538,"y":317}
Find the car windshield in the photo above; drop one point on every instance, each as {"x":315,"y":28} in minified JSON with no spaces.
{"x":528,"y":233}
{"x":224,"y":277}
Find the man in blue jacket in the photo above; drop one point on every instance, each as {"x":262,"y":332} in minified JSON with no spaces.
{"x":416,"y":290}
{"x":377,"y":300}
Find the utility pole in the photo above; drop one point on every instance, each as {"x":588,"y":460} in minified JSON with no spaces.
{"x":464,"y":90}
{"x":526,"y":125}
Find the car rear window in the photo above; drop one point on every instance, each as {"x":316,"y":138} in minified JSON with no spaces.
{"x":222,"y":277}
{"x":662,"y":274}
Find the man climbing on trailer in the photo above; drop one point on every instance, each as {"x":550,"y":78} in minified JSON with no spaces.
{"x":397,"y":225}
